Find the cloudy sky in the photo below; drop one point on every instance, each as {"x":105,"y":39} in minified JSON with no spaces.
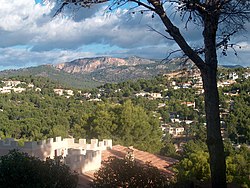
{"x":29,"y":36}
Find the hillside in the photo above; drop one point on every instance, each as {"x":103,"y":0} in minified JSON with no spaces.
{"x":93,"y":72}
{"x":48,"y":71}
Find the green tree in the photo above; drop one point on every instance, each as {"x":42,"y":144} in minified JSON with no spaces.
{"x":194,"y":168}
{"x":138,"y":128}
{"x":21,"y":170}
{"x":123,"y":173}
{"x":238,"y":166}
{"x":102,"y":123}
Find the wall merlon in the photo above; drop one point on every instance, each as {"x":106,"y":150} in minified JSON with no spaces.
{"x":50,"y":140}
{"x":70,"y":141}
{"x":58,"y":139}
{"x":82,"y":142}
{"x":107,"y":143}
{"x":94,"y":141}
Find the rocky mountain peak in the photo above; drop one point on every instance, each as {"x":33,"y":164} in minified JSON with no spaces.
{"x":88,"y":65}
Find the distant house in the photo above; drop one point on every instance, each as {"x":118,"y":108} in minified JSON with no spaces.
{"x":69,"y":92}
{"x":189,"y":104}
{"x":233,"y":76}
{"x":186,"y":85}
{"x":199,"y":91}
{"x":188,"y":121}
{"x":11,"y":83}
{"x":95,"y":100}
{"x":175,"y":120}
{"x":246,"y":75}
{"x":142,"y":94}
{"x":87,"y":95}
{"x":5,"y":89}
{"x":160,"y":105}
{"x":156,"y":95}
{"x":58,"y":91}
{"x":175,"y":131}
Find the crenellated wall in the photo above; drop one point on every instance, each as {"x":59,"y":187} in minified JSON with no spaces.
{"x":80,"y":155}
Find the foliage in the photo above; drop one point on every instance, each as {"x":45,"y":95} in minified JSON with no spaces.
{"x":168,"y":148}
{"x":238,"y":121}
{"x":194,"y":166}
{"x":22,"y":170}
{"x":123,"y":173}
{"x":238,"y":167}
{"x":127,"y":125}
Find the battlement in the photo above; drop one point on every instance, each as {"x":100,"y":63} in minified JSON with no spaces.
{"x":10,"y":143}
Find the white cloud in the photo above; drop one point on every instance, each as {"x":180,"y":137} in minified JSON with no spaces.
{"x":20,"y":57}
{"x":31,"y":37}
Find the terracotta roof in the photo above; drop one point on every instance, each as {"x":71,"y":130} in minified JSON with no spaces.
{"x":161,"y":162}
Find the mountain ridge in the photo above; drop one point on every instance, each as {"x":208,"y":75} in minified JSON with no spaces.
{"x":93,"y":72}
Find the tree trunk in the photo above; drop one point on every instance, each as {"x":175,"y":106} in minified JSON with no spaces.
{"x":208,"y":70}
{"x":209,"y":78}
{"x":214,"y":139}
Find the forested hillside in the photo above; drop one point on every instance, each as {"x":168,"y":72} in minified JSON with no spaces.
{"x":139,"y":113}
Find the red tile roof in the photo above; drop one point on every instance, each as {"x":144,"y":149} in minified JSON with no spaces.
{"x":161,"y":162}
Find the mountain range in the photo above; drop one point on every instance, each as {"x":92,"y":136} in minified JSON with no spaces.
{"x":92,"y":72}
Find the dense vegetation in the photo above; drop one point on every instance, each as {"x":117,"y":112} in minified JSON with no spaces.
{"x":24,"y":171}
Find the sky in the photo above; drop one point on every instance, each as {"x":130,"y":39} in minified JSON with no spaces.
{"x":30,"y":36}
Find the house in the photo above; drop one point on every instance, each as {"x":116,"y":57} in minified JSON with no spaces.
{"x":161,"y":105}
{"x":58,"y":91}
{"x":11,"y":83}
{"x":156,"y":95}
{"x":87,"y":95}
{"x":69,"y":92}
{"x":142,"y":94}
{"x":95,"y":100}
{"x":175,"y":120}
{"x":189,"y":104}
{"x":5,"y":89}
{"x":233,"y":76}
{"x":246,"y":75}
{"x":175,"y":131}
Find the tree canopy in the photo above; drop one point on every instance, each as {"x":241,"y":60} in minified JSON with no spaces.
{"x":125,"y":173}
{"x":21,"y":170}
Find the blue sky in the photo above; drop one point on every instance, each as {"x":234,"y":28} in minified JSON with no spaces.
{"x":31,"y":37}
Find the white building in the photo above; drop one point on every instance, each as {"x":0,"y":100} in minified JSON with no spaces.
{"x":175,"y":131}
{"x":233,"y":75}
{"x":79,"y":156}
{"x":11,"y":83}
